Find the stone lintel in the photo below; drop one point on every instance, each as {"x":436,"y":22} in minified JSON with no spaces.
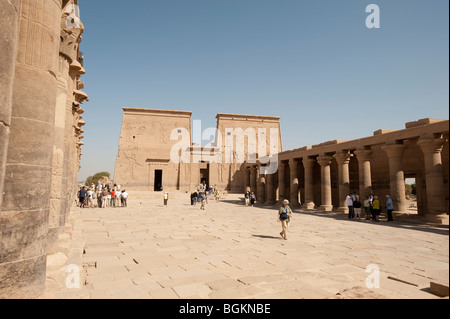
{"x":157,"y":112}
{"x":334,"y":142}
{"x":421,"y":122}
{"x":244,"y":117}
{"x":383,"y":131}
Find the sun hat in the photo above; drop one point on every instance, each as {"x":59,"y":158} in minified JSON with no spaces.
{"x":286,"y":202}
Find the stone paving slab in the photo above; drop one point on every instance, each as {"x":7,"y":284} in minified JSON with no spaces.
{"x":233,"y":252}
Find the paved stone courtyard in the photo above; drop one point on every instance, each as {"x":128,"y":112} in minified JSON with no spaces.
{"x":230,"y":251}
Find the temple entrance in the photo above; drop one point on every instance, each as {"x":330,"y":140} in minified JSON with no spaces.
{"x":204,"y":174}
{"x":158,"y":180}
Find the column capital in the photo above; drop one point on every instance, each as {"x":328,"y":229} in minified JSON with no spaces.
{"x":431,"y":145}
{"x":394,"y":150}
{"x":324,"y":160}
{"x":308,"y":162}
{"x":293,"y":163}
{"x":342,"y":158}
{"x":281,"y":164}
{"x":363,"y":155}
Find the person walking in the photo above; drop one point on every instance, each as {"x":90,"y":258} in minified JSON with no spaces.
{"x":99,"y":198}
{"x":113,"y":198}
{"x":367,"y":208}
{"x":216,"y":194}
{"x":284,"y":216}
{"x":376,"y":208}
{"x":351,"y":211}
{"x":247,"y":199}
{"x":90,"y":198}
{"x":252,"y":199}
{"x":195,"y":198}
{"x":390,"y":208}
{"x":357,"y":207}
{"x":108,"y":202}
{"x":203,"y":200}
{"x":166,"y":199}
{"x":118,"y":200}
{"x":104,"y":197}
{"x":82,"y":196}
{"x":371,"y":199}
{"x":124,"y":198}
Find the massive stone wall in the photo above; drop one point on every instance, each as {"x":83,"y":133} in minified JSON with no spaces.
{"x":8,"y":51}
{"x":35,"y":137}
{"x":144,"y":149}
{"x":230,"y":174}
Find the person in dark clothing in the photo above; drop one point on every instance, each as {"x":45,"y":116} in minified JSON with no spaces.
{"x":82,"y":196}
{"x":194,"y":198}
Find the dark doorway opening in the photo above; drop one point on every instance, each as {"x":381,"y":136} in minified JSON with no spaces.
{"x":158,"y":180}
{"x":204,"y":174}
{"x":204,"y":177}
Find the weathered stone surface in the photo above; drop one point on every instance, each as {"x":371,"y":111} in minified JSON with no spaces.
{"x":358,"y":293}
{"x":439,"y":289}
{"x":35,"y":143}
{"x":26,"y":188}
{"x":22,"y":279}
{"x":8,"y":52}
{"x":308,"y":265}
{"x":23,"y":235}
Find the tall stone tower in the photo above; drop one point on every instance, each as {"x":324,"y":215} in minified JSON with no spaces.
{"x":143,"y":161}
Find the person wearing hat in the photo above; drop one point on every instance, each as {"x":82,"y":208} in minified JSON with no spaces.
{"x":284,"y":216}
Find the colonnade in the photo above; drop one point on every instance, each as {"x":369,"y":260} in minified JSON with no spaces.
{"x":274,"y":188}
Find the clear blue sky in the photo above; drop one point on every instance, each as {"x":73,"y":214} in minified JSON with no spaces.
{"x":314,"y":63}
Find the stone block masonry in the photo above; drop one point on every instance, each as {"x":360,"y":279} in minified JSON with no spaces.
{"x":40,"y":133}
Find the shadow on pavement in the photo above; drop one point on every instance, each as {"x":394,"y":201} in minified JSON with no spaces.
{"x":266,"y":237}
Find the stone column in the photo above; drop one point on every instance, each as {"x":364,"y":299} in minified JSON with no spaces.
{"x":246,"y":179}
{"x":253,"y":172}
{"x":281,"y":182}
{"x":365,"y":177}
{"x":57,"y":166}
{"x":9,"y":23}
{"x":396,"y":175}
{"x":293,"y":167}
{"x":343,"y":159}
{"x":28,"y":172}
{"x":261,"y":196}
{"x":308,"y":164}
{"x":434,"y":177}
{"x":324,"y":162}
{"x":270,"y":189}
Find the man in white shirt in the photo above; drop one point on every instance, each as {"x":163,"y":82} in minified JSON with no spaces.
{"x":351,"y":211}
{"x":124,"y":197}
{"x":90,"y":198}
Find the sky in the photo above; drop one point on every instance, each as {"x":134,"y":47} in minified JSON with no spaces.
{"x":315,"y":64}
